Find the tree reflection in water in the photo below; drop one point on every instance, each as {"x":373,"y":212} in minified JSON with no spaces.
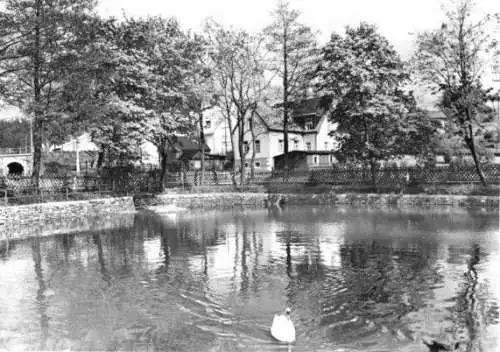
{"x":357,"y":279}
{"x":40,"y":293}
{"x":473,"y":308}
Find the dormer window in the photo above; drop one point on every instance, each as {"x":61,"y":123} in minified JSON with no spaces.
{"x":309,"y":125}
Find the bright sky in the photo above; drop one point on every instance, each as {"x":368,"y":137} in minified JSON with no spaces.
{"x":396,"y":19}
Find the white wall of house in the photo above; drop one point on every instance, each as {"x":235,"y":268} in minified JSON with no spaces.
{"x":217,"y":135}
{"x":271,"y":142}
{"x":323,"y":135}
{"x":218,"y":140}
{"x":83,"y":141}
{"x":149,"y":154}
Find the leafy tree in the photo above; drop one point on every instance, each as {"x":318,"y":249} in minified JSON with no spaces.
{"x":295,"y":48}
{"x":450,"y":58}
{"x":14,"y":133}
{"x":364,"y":74}
{"x":134,"y":85}
{"x":98,"y":93}
{"x":38,"y":45}
{"x":176,"y":72}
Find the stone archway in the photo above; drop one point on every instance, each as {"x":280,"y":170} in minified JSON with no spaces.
{"x":15,"y":168}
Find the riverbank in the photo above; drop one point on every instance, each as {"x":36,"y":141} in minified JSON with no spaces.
{"x":43,"y":219}
{"x":401,"y":200}
{"x":225,"y":200}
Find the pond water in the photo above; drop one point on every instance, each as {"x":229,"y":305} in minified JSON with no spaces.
{"x":356,"y":280}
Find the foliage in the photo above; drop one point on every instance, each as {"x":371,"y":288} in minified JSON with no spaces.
{"x":39,"y":44}
{"x":14,"y":133}
{"x":364,"y":74}
{"x":175,"y":60}
{"x":451,"y":58}
{"x":295,"y":52}
{"x":134,"y":85}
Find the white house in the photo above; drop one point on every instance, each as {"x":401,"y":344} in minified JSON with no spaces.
{"x":309,"y":130}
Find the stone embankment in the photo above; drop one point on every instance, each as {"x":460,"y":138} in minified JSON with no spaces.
{"x":42,"y":219}
{"x":401,"y":200}
{"x":227,"y":200}
{"x":205,"y":200}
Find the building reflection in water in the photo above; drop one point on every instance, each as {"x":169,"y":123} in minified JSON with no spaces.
{"x":373,"y":277}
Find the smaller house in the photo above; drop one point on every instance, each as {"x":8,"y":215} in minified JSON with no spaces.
{"x":185,"y":153}
{"x":305,"y":159}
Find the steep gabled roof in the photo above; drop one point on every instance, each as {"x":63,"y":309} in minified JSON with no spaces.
{"x":186,"y":144}
{"x":311,"y":107}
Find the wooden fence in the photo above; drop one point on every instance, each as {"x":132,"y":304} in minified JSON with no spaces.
{"x":19,"y":190}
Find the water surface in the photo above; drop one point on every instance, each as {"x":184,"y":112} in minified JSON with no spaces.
{"x":356,"y":279}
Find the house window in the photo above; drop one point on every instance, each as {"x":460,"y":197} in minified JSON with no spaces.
{"x":208,"y":123}
{"x":308,"y":145}
{"x":309,"y":125}
{"x":326,"y":145}
{"x":257,"y":146}
{"x":281,"y":145}
{"x":246,"y":146}
{"x":257,"y":164}
{"x":315,"y":159}
{"x":295,"y":144}
{"x":246,"y":164}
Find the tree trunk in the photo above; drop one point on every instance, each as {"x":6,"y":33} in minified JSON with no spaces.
{"x":100,"y":157}
{"x":37,"y":90}
{"x":233,"y":144}
{"x":241,"y":149}
{"x":285,"y":96}
{"x":235,"y":159}
{"x":252,"y":160}
{"x":469,"y":141}
{"x":202,"y":149}
{"x":285,"y":90}
{"x":373,"y":170}
{"x":37,"y":148}
{"x":163,"y":170}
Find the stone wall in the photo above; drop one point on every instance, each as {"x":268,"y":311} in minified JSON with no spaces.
{"x":208,"y":200}
{"x":400,"y":200}
{"x":224,"y":200}
{"x":63,"y":217}
{"x":24,"y":221}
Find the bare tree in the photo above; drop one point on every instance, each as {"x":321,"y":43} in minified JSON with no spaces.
{"x":295,"y":49}
{"x":451,"y":59}
{"x":237,"y":64}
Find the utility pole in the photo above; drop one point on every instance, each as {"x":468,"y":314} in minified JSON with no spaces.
{"x":77,"y":157}
{"x":31,"y":135}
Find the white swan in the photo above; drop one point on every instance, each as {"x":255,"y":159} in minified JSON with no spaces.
{"x":282,"y":328}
